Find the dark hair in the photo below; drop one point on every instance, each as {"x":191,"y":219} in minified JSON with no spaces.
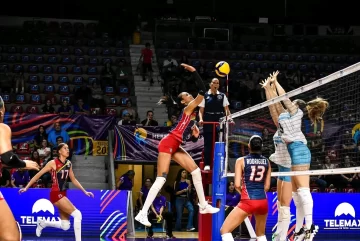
{"x":61,"y":145}
{"x":130,"y":173}
{"x":149,"y":111}
{"x":255,"y":143}
{"x":178,"y":178}
{"x":300,"y":103}
{"x":147,"y":45}
{"x":1,"y":103}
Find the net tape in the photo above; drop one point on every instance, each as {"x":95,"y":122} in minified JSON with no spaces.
{"x":317,"y":83}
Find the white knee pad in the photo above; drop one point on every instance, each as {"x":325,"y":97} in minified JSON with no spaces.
{"x":227,"y":237}
{"x":159,"y":183}
{"x":305,"y":196}
{"x":261,"y":238}
{"x":65,"y":225}
{"x":284,"y":213}
{"x":77,"y":215}
{"x":296,"y":199}
{"x":196,"y":175}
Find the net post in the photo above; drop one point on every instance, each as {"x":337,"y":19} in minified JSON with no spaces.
{"x":218,"y":190}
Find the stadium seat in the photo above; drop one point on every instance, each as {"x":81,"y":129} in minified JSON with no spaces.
{"x":65,"y":51}
{"x":291,"y":67}
{"x":52,"y":60}
{"x":312,"y":58}
{"x":76,"y":70}
{"x":23,"y":148}
{"x":112,"y":102}
{"x":66,"y":60}
{"x":65,"y":98}
{"x":38,"y":50}
{"x":64,"y":90}
{"x":299,"y":58}
{"x":119,"y":53}
{"x":92,"y":52}
{"x":349,"y":190}
{"x":48,"y":79}
{"x":236,"y":105}
{"x":278,"y":66}
{"x":109,"y":90}
{"x":259,"y":57}
{"x":92,"y":80}
{"x":49,"y":89}
{"x":6,"y":98}
{"x":63,"y":42}
{"x":16,"y":109}
{"x":47,"y":69}
{"x":25,"y":59}
{"x":25,"y":50}
{"x":264,"y":65}
{"x":95,"y":111}
{"x":39,"y":59}
{"x":78,"y":80}
{"x":236,"y":65}
{"x":285,"y":57}
{"x":62,"y":70}
{"x":325,"y":59}
{"x":330,"y":190}
{"x":63,"y":80}
{"x":92,"y":70}
{"x":3,"y":67}
{"x":51,"y":50}
{"x":93,"y":61}
{"x":232,"y":55}
{"x":193,"y":55}
{"x":104,"y":61}
{"x":33,"y":79}
{"x":246,"y":56}
{"x":78,"y":52}
{"x":91,"y":42}
{"x":251,"y":65}
{"x":196,"y":64}
{"x":34,"y":89}
{"x":79,"y":61}
{"x":209,"y":65}
{"x":111,"y":111}
{"x":20,"y":99}
{"x":124,"y":90}
{"x":78,"y":42}
{"x":11,"y":58}
{"x":123,"y":101}
{"x":303,"y":68}
{"x":49,"y":42}
{"x":35,"y":99}
{"x":338,"y":59}
{"x":18,"y":68}
{"x":239,"y":74}
{"x":273,"y":57}
{"x":31,"y":109}
{"x":329,"y":68}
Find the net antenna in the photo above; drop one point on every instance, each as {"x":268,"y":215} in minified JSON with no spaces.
{"x":317,"y":83}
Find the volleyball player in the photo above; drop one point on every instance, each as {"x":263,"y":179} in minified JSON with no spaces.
{"x":61,"y":170}
{"x":282,"y":158}
{"x":252,"y":180}
{"x":170,"y":149}
{"x":291,"y":133}
{"x":9,"y":229}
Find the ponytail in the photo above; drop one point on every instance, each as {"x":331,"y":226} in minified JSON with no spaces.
{"x":316,"y":109}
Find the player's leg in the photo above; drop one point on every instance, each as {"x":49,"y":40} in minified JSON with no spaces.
{"x":233,"y":220}
{"x":67,"y":209}
{"x":8,"y":227}
{"x":260,"y":226}
{"x":186,"y":161}
{"x":163,"y":165}
{"x":150,"y":70}
{"x":299,"y":233}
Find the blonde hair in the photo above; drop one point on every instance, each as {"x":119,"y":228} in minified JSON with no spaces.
{"x":316,"y":109}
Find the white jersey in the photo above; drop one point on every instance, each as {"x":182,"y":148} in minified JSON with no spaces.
{"x":282,"y":156}
{"x":290,"y":127}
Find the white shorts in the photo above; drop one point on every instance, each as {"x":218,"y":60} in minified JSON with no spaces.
{"x":281,"y":156}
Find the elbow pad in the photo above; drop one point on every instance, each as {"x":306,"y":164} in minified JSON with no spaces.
{"x":194,"y":139}
{"x":12,"y":160}
{"x":199,"y":82}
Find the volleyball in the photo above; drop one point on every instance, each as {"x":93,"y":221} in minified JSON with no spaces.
{"x":222,"y":69}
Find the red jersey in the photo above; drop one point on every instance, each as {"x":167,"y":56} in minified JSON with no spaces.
{"x":60,"y":175}
{"x":147,"y":55}
{"x":182,"y":129}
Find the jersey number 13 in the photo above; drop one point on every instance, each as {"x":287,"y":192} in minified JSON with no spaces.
{"x":257,"y":173}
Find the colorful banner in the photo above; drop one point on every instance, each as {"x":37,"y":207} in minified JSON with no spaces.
{"x":103,"y":216}
{"x":134,"y":143}
{"x":88,"y":134}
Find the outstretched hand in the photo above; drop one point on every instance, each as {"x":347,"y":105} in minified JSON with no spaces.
{"x":188,"y":67}
{"x":274,"y":75}
{"x":265,"y":83}
{"x":31,"y":165}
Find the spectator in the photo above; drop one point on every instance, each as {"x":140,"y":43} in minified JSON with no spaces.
{"x":19,"y":82}
{"x":157,"y":212}
{"x":107,"y":76}
{"x":144,"y":192}
{"x":5,"y":178}
{"x":149,"y":121}
{"x":317,"y":145}
{"x":48,"y":108}
{"x":182,"y":186}
{"x":126,"y":181}
{"x":129,"y":109}
{"x":65,"y":109}
{"x":36,"y":158}
{"x":97,"y":97}
{"x":147,"y":58}
{"x":348,"y":179}
{"x":169,"y":68}
{"x":59,"y":140}
{"x":40,"y":136}
{"x":84,"y":93}
{"x":172,"y":121}
{"x":44,"y":150}
{"x":232,"y":200}
{"x":121,"y":74}
{"x":20,"y":178}
{"x":126,"y":120}
{"x":81,"y":108}
{"x":57,"y":131}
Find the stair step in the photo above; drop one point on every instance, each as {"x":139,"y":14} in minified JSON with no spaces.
{"x":146,"y":93}
{"x":156,"y":89}
{"x":90,"y":171}
{"x":91,"y":178}
{"x":146,"y":84}
{"x":148,"y":99}
{"x":92,"y":186}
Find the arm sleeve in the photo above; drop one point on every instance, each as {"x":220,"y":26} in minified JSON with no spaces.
{"x":12,"y":160}
{"x":199,"y":83}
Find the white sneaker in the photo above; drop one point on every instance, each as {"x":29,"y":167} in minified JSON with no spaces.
{"x":143,"y":219}
{"x":208,"y":209}
{"x":39,"y":227}
{"x":207,"y":168}
{"x":310,"y":234}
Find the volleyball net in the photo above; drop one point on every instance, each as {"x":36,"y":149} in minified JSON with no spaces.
{"x":334,"y":142}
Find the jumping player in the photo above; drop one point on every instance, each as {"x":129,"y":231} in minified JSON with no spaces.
{"x":61,"y":170}
{"x":253,"y":172}
{"x":170,"y":149}
{"x":282,"y":158}
{"x":290,"y":125}
{"x":9,"y":229}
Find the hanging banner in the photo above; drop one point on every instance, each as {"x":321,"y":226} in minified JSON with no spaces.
{"x":87,"y":134}
{"x":134,"y":143}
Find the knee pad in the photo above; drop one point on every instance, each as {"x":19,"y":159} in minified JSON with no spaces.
{"x":159,"y":183}
{"x":296,"y":199}
{"x":65,"y":225}
{"x":305,"y":196}
{"x":196,"y":175}
{"x":261,"y":238}
{"x":284,"y":213}
{"x":77,"y":215}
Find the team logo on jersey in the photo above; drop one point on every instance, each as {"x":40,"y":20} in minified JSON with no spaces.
{"x":42,"y":209}
{"x":219,"y":97}
{"x":344,"y":218}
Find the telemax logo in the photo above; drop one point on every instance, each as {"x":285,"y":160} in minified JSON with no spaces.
{"x":42,"y":209}
{"x":344,"y":218}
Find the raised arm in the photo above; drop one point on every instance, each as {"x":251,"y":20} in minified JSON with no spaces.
{"x":287,"y":102}
{"x":268,"y":178}
{"x":270,"y":94}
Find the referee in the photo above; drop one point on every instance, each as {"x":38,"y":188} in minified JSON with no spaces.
{"x":212,"y":108}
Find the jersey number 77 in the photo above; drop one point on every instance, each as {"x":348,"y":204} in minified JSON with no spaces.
{"x":257,"y":173}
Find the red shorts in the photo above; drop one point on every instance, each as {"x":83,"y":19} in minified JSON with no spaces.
{"x":1,"y":197}
{"x":56,"y":196}
{"x":169,"y":144}
{"x":254,"y":206}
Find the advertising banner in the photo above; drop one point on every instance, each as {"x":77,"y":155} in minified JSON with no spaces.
{"x":103,"y":216}
{"x":88,"y":134}
{"x":141,"y":143}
